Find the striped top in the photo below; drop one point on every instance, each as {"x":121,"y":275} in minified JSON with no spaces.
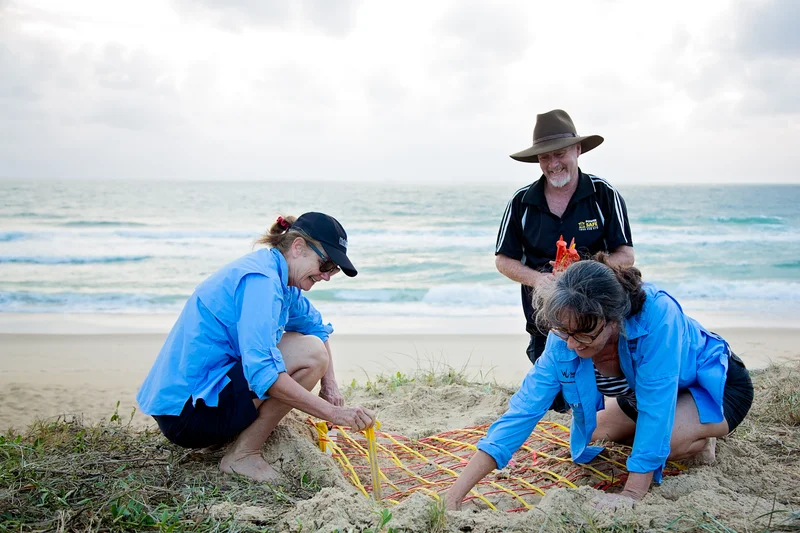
{"x":612,"y":386}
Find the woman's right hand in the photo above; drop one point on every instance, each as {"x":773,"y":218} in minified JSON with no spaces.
{"x":358,"y":418}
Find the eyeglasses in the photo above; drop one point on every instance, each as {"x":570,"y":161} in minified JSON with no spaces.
{"x":327,"y":265}
{"x":581,"y":338}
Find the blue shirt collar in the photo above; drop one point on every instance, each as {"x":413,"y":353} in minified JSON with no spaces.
{"x":634,"y":329}
{"x":560,"y":350}
{"x":282,"y":267}
{"x":634,"y":326}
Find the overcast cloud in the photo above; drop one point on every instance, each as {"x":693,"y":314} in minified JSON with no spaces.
{"x":421,"y":91}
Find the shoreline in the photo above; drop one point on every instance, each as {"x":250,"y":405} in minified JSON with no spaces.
{"x":160,"y":323}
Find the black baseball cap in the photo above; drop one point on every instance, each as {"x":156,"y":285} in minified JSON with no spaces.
{"x":330,"y":234}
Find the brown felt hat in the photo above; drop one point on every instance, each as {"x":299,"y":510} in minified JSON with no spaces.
{"x":554,"y":130}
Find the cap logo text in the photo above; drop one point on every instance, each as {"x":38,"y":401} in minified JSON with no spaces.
{"x":343,"y":242}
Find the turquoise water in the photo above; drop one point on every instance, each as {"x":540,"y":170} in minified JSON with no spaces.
{"x":141,"y":247}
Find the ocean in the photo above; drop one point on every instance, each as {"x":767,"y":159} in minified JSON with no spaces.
{"x":423,"y":252}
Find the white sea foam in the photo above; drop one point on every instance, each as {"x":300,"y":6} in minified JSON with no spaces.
{"x":420,"y":252}
{"x":473,"y":296}
{"x":726,"y":291}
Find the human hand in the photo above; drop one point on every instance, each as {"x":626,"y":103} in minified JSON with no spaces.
{"x":452,"y":502}
{"x":544,"y":278}
{"x":612,"y":502}
{"x":329,"y":391}
{"x":358,"y":418}
{"x":557,"y":271}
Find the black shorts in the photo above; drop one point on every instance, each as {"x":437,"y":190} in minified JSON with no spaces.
{"x":736,"y":398}
{"x":199,"y":425}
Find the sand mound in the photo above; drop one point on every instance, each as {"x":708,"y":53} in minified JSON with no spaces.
{"x":752,"y":486}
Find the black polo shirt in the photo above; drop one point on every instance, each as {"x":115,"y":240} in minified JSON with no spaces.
{"x":596,"y":217}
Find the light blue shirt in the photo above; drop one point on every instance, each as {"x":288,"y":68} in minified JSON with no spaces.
{"x":238,"y":314}
{"x":661,"y":352}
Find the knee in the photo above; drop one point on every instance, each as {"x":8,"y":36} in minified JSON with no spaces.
{"x":316,"y":354}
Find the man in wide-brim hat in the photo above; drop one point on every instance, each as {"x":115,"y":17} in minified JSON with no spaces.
{"x":566,"y":202}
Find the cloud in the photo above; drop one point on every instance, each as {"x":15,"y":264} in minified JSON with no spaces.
{"x":17,"y":73}
{"x":438,"y":92}
{"x":30,"y":70}
{"x":234,"y":15}
{"x":479,"y":33}
{"x":768,"y":29}
{"x":744,"y":68}
{"x":763,"y":57}
{"x":334,"y":18}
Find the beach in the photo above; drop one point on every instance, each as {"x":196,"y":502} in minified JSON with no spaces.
{"x":71,"y":371}
{"x":153,"y":152}
{"x":79,"y":365}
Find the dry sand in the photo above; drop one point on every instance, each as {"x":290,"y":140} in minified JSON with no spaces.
{"x":44,"y":376}
{"x":753,"y":486}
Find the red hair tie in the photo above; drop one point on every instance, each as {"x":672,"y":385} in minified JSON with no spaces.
{"x":283,"y":223}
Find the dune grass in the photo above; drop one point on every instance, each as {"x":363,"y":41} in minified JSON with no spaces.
{"x":65,"y":475}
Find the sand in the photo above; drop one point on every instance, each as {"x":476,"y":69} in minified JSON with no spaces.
{"x":46,"y":375}
{"x":752,"y":487}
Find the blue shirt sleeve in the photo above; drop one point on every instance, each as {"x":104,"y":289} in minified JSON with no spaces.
{"x":261,"y":301}
{"x":657,"y":376}
{"x":304,"y":318}
{"x":525,"y":409}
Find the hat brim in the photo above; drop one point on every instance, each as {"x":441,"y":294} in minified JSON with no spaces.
{"x":531,"y":155}
{"x":341,"y":260}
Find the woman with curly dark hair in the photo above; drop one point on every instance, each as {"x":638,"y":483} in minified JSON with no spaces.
{"x":688,"y":386}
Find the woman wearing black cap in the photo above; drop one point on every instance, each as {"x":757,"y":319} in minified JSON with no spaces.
{"x":248,"y":347}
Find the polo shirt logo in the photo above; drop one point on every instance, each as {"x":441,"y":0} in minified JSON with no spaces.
{"x":633,"y":345}
{"x":588,"y":225}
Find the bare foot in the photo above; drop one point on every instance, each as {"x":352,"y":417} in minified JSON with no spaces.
{"x":250,"y":465}
{"x":708,"y":455}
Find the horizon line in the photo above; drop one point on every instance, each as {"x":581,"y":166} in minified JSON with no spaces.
{"x":383,"y":183}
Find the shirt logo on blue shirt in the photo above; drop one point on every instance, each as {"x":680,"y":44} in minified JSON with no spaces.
{"x":633,"y":345}
{"x":588,"y":225}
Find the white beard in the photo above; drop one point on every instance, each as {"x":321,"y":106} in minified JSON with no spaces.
{"x":559,"y":182}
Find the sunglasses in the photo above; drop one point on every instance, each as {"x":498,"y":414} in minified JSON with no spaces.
{"x":327,"y":266}
{"x":581,"y":338}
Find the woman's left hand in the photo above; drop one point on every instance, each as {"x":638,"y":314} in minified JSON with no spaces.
{"x":330,"y":393}
{"x":612,"y":502}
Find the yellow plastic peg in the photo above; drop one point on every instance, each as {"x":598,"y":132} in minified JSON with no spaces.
{"x":372,"y":452}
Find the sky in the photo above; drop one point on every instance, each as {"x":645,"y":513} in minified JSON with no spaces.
{"x":684,"y":91}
